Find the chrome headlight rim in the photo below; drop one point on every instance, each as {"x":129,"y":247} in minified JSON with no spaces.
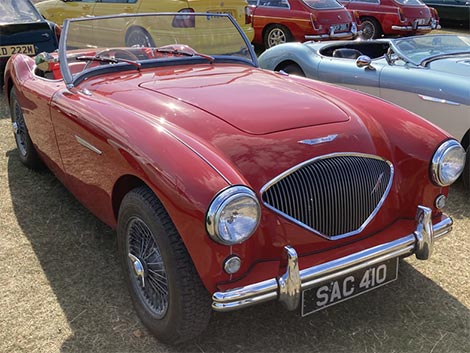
{"x":220,"y":201}
{"x":437,"y":159}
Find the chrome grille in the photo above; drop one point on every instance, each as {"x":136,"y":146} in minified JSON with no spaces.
{"x":335,"y":195}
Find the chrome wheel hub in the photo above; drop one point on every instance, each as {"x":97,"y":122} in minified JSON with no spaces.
{"x":138,"y":268}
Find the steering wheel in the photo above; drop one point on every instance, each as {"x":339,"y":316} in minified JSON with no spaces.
{"x":112,"y":53}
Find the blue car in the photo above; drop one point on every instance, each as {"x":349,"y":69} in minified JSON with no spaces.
{"x":428,"y":75}
{"x":24,"y":31}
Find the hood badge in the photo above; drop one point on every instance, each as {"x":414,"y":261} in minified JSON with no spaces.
{"x":319,"y":140}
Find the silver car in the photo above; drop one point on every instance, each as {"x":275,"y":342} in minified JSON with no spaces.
{"x":428,"y":75}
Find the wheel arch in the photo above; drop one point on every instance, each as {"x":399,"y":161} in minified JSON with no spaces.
{"x":375,"y":19}
{"x":124,"y":185}
{"x":185,"y":208}
{"x":8,"y":87}
{"x":288,"y":62}
{"x":273,"y":24}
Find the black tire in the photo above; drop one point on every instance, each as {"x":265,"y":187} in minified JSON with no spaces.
{"x":370,"y":28}
{"x":26,"y":151}
{"x":466,"y":171}
{"x":276,"y":34}
{"x":172,"y":302}
{"x":293,"y":69}
{"x":139,"y":37}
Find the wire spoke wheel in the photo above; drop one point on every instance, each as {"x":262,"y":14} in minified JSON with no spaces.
{"x":26,"y":151}
{"x":139,"y":37}
{"x":165,"y":287}
{"x":370,"y":29}
{"x":19,"y":128}
{"x":147,"y":265}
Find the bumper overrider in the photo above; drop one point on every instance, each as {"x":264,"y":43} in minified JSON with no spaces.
{"x":287,"y":288}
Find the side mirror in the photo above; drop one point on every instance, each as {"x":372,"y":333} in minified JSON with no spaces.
{"x":364,"y":61}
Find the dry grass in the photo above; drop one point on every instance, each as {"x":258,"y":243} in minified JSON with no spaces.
{"x":62,"y":288}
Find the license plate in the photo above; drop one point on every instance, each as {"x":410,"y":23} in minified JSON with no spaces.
{"x":348,"y":286}
{"x":422,"y":21}
{"x":228,"y":12}
{"x":341,"y":28}
{"x":9,"y":50}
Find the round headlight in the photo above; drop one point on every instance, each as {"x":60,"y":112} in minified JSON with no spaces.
{"x":447,"y":163}
{"x":233,"y":215}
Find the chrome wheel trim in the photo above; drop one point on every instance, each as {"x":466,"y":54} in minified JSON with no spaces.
{"x":276,"y":36}
{"x":147,"y":270}
{"x":19,"y":128}
{"x":368,"y":30}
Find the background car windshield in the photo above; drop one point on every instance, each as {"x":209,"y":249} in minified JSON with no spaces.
{"x":323,"y":4}
{"x":152,"y":37}
{"x":15,"y":11}
{"x":410,"y":2}
{"x":417,"y":49}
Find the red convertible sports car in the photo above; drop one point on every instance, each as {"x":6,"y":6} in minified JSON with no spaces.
{"x":228,"y":185}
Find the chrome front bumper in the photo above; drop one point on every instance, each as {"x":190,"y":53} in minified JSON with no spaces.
{"x":287,"y":288}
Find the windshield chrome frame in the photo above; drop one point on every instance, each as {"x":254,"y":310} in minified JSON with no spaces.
{"x":64,"y":68}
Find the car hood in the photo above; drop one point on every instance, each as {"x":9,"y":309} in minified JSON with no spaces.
{"x":457,"y":65}
{"x":278,"y":106}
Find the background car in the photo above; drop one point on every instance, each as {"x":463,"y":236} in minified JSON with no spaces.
{"x":59,"y":10}
{"x":452,"y":11}
{"x":229,"y":185}
{"x":428,"y":75}
{"x":393,"y":17}
{"x":24,"y":31}
{"x":281,"y":21}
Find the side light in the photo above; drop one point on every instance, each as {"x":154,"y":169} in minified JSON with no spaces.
{"x":232,"y":264}
{"x":447,"y":163}
{"x":248,"y":14}
{"x":233,"y":215}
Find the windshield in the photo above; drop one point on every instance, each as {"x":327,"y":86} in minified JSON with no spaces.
{"x":323,"y":4}
{"x":420,"y":49}
{"x":18,"y":11}
{"x":123,"y":42}
{"x":410,"y":2}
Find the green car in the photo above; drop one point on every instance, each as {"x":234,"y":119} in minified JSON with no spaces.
{"x":452,"y":11}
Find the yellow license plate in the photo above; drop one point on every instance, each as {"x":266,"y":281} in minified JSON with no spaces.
{"x":9,"y":50}
{"x":229,"y":12}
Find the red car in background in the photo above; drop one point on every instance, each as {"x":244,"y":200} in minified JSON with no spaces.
{"x":281,"y":21}
{"x":393,"y":17}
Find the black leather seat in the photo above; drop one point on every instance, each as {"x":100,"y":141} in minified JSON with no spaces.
{"x":346,"y":53}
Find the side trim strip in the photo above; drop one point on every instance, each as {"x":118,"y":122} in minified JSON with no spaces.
{"x":88,"y":145}
{"x":437,"y":100}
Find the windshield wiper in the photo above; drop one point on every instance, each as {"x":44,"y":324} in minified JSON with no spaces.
{"x":107,"y":59}
{"x":191,"y":52}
